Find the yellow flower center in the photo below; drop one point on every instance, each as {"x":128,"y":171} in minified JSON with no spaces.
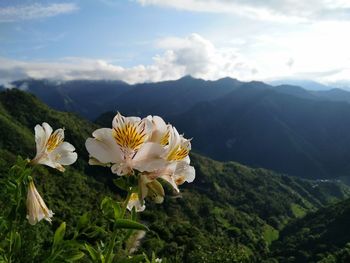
{"x":129,"y":137}
{"x":180,"y":180}
{"x":54,"y":141}
{"x":165,"y":139}
{"x":178,"y":153}
{"x":134,"y":197}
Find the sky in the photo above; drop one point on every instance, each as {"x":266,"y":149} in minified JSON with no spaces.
{"x":154,"y":40}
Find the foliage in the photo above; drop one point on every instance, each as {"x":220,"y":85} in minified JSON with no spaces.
{"x":231,"y":213}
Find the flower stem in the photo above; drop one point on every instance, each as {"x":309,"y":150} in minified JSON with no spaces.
{"x":125,"y":204}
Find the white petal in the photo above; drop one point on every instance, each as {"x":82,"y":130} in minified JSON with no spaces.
{"x":184,"y":173}
{"x":160,"y":128}
{"x":36,"y":207}
{"x":148,"y":158}
{"x":121,"y":168}
{"x":103,"y":147}
{"x":135,"y":202}
{"x":40,"y":138}
{"x":47,"y":128}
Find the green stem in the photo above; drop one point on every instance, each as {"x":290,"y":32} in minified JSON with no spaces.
{"x":115,"y":230}
{"x":125,"y":204}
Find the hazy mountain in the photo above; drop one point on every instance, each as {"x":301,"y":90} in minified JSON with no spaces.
{"x":284,"y":128}
{"x":265,"y":128}
{"x":306,"y":84}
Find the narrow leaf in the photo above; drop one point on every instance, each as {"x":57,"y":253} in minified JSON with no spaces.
{"x":129,"y":224}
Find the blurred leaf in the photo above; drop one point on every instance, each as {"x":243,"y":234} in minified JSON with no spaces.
{"x":129,"y":224}
{"x":121,"y":183}
{"x":75,"y":256}
{"x":59,"y":234}
{"x":92,"y":252}
{"x":83,"y":220}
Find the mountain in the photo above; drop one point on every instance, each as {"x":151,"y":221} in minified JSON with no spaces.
{"x":87,"y":98}
{"x":306,"y":84}
{"x":230,"y":213}
{"x":92,"y":98}
{"x":284,"y":128}
{"x":264,"y":128}
{"x":321,"y":235}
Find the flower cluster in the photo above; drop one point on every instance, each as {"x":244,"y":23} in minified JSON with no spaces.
{"x":147,"y":146}
{"x":53,"y":151}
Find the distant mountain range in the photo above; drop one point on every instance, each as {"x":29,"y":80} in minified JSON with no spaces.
{"x":285,"y":128}
{"x":306,"y":84}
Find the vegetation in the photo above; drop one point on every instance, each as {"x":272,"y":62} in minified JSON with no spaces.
{"x":231,"y":213}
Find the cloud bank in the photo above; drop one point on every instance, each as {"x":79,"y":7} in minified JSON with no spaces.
{"x":192,"y":55}
{"x":35,"y":11}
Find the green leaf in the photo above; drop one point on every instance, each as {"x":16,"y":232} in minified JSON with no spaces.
{"x":17,"y":242}
{"x":105,"y":205}
{"x":121,"y":183}
{"x":92,"y":252}
{"x":75,"y":256}
{"x":83,"y":221}
{"x":129,"y":224}
{"x":117,"y":210}
{"x":59,"y":234}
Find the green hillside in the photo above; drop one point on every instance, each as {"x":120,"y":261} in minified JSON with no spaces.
{"x":322,"y":236}
{"x":231,"y":213}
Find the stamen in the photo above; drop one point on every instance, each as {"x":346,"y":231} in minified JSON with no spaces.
{"x":54,"y":140}
{"x":129,"y":137}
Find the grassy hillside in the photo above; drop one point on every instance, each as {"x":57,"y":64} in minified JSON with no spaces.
{"x":231,"y":213}
{"x":322,"y":236}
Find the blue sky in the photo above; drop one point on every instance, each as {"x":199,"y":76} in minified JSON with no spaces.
{"x":154,"y":40}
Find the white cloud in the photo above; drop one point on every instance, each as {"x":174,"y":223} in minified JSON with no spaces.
{"x":276,"y":10}
{"x":35,"y":11}
{"x":193,"y":55}
{"x":307,"y":55}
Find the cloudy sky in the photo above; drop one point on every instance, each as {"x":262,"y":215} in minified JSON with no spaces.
{"x":154,"y":40}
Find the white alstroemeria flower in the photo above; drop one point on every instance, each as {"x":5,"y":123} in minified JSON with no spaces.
{"x":36,"y":207}
{"x":177,"y":169}
{"x":175,"y":173}
{"x":51,"y":150}
{"x":161,"y":130}
{"x":178,"y":147}
{"x":149,"y":186}
{"x":126,"y":146}
{"x":134,"y":201}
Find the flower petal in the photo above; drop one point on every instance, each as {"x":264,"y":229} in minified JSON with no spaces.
{"x":103,"y":147}
{"x":36,"y":207}
{"x":184,"y":173}
{"x":64,"y":154}
{"x":135,"y":202}
{"x":148,"y":158}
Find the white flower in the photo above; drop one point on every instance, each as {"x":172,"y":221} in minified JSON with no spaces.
{"x":178,"y":147}
{"x":126,"y":146}
{"x":175,"y":173}
{"x":160,"y":131}
{"x":36,"y":207}
{"x":134,"y":201}
{"x":51,"y":150}
{"x":149,"y":186}
{"x":176,"y":170}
